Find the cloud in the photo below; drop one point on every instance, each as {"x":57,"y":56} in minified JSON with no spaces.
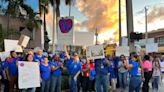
{"x":156,"y":13}
{"x":101,"y":14}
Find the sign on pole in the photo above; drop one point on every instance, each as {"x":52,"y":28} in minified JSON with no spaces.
{"x":65,"y":33}
{"x":95,"y":52}
{"x":29,"y":74}
{"x":153,"y":47}
{"x":123,"y":50}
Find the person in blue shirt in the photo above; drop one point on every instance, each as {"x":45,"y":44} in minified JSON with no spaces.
{"x":136,"y":70}
{"x":45,"y":71}
{"x":29,"y":58}
{"x":101,"y":67}
{"x":12,"y":70}
{"x":56,"y":77}
{"x":39,"y":56}
{"x":75,"y":70}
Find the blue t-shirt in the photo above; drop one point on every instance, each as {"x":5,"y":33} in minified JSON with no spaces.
{"x":136,"y":70}
{"x":45,"y":71}
{"x":101,"y":67}
{"x":111,"y":71}
{"x":38,"y":58}
{"x":67,"y":63}
{"x":12,"y":66}
{"x":58,"y":71}
{"x":75,"y":67}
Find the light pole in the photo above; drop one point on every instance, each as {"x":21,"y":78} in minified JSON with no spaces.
{"x":120,"y":39}
{"x":129,"y":16}
{"x":96,"y":34}
{"x":146,"y":33}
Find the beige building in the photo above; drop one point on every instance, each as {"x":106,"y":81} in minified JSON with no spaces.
{"x":18,"y":25}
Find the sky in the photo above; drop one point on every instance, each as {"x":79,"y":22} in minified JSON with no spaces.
{"x":103,"y":15}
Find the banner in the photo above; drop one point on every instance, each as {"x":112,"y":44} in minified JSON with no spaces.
{"x":11,"y":45}
{"x":123,"y":50}
{"x":4,"y":55}
{"x":29,"y":74}
{"x":153,"y":47}
{"x":95,"y":52}
{"x":65,"y":33}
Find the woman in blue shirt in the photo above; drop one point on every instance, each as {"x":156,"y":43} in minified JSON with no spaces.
{"x":45,"y":71}
{"x":29,"y":58}
{"x":136,"y":73}
{"x":56,"y":77}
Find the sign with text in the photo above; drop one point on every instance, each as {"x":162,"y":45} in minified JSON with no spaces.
{"x":23,"y":40}
{"x":65,"y":33}
{"x":95,"y":52}
{"x":11,"y":45}
{"x":123,"y":50}
{"x":29,"y":74}
{"x":153,"y":47}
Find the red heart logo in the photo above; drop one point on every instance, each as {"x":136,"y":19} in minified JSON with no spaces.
{"x":65,"y":25}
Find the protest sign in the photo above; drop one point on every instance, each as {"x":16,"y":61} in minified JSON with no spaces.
{"x":4,"y":55}
{"x":60,"y":47}
{"x":10,"y":45}
{"x":151,"y":47}
{"x":123,"y":50}
{"x":23,"y":40}
{"x":95,"y":52}
{"x":65,"y":33}
{"x":29,"y":74}
{"x":124,"y":41}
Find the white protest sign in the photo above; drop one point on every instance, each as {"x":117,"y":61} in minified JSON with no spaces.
{"x":123,"y":50}
{"x":124,"y":41}
{"x":95,"y":52}
{"x":65,"y":33}
{"x":11,"y":45}
{"x":60,"y":47}
{"x":23,"y":41}
{"x":29,"y":74}
{"x":4,"y":55}
{"x":152,"y":47}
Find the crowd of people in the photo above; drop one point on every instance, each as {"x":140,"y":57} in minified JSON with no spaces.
{"x":87,"y":75}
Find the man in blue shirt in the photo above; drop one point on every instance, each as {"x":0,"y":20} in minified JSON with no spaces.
{"x":101,"y":67}
{"x":56,"y":67}
{"x":39,"y":56}
{"x":12,"y":70}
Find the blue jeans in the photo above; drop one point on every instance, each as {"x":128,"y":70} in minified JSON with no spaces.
{"x":45,"y":86}
{"x":29,"y":90}
{"x":55,"y":83}
{"x":122,"y":80}
{"x":135,"y":84}
{"x":156,"y":80}
{"x":73,"y":85}
{"x":102,"y":82}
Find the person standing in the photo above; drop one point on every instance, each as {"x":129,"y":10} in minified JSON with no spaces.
{"x":45,"y":71}
{"x":12,"y":71}
{"x":101,"y":67}
{"x":29,"y":58}
{"x":147,"y":66}
{"x":135,"y":67}
{"x":162,"y":66}
{"x":122,"y":73}
{"x":156,"y":74}
{"x":75,"y":70}
{"x":56,"y":77}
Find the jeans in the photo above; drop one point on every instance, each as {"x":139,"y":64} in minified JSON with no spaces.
{"x":73,"y":86}
{"x":147,"y":76}
{"x":55,"y":83}
{"x":102,"y":82}
{"x":29,"y":90}
{"x":156,"y":81}
{"x":135,"y":84}
{"x":45,"y":86}
{"x":122,"y":80}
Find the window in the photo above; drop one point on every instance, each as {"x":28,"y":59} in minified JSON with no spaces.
{"x":160,"y":40}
